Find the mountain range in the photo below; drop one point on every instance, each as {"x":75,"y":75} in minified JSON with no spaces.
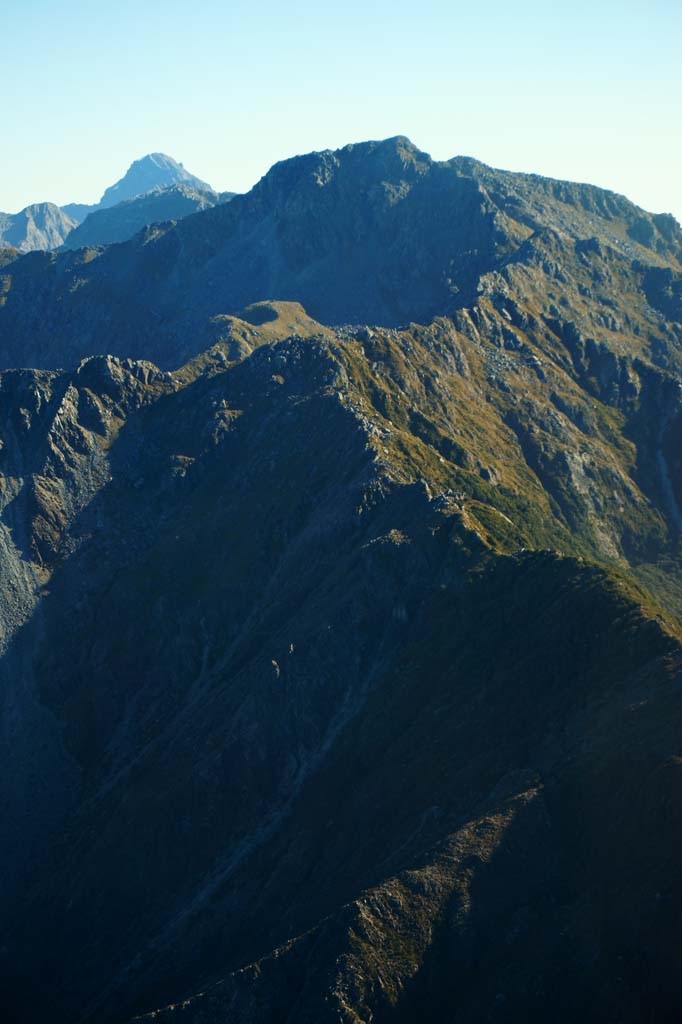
{"x":374,"y":233}
{"x":155,"y":187}
{"x":154,"y":171}
{"x":340,"y":606}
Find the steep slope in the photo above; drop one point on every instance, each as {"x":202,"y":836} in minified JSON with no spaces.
{"x":480,"y":870}
{"x":41,"y":226}
{"x":120,"y":222}
{"x":374,"y":233}
{"x":305,"y":701}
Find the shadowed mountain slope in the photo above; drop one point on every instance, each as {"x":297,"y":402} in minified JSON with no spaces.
{"x":316,"y":727}
{"x":516,"y":892}
{"x":119,"y":223}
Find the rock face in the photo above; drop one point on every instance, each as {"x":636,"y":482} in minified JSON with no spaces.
{"x":41,"y":226}
{"x":120,"y":222}
{"x":340,"y":667}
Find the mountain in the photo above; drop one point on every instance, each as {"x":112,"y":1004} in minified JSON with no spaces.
{"x":340,"y":657}
{"x":120,"y":222}
{"x":300,"y":709}
{"x":174,"y":193}
{"x":154,"y":171}
{"x":375,"y":233}
{"x":41,"y":226}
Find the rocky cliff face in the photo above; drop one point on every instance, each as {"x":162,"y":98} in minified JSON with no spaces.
{"x":340,"y":668}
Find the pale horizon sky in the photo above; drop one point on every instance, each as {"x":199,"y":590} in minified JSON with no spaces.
{"x":590,"y":92}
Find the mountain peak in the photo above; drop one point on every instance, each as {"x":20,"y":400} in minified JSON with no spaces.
{"x":161,"y":160}
{"x":392,"y":155}
{"x":155,"y":170}
{"x":351,"y":172}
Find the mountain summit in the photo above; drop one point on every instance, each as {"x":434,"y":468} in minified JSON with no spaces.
{"x":156,"y":170}
{"x":149,"y":173}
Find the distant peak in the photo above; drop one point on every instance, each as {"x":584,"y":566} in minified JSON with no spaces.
{"x":157,"y":160}
{"x":155,"y":170}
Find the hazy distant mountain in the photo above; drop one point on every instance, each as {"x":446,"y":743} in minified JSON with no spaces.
{"x":152,"y":171}
{"x":156,"y":170}
{"x":175,"y":194}
{"x":40,"y":226}
{"x":120,"y":222}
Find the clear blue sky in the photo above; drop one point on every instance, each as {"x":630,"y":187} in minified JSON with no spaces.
{"x":586,"y":91}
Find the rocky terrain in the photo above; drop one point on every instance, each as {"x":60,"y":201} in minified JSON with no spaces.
{"x":340,"y":613}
